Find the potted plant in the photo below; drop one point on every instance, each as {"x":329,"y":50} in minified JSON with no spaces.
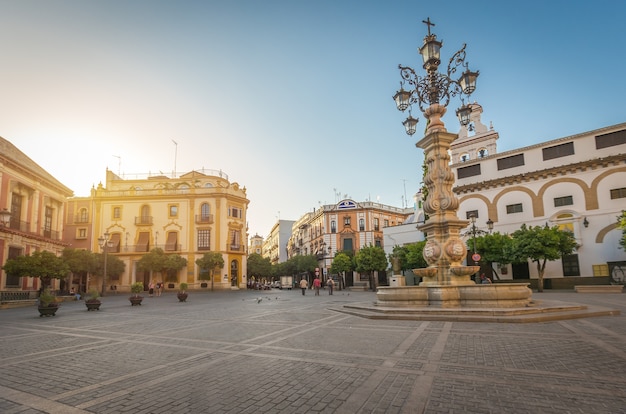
{"x":136,"y":288}
{"x":92,"y":301}
{"x":48,"y":304}
{"x":182,"y":295}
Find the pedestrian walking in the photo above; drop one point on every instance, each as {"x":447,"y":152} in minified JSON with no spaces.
{"x":151,"y":289}
{"x":317,"y":284}
{"x":331,"y":284}
{"x":303,"y":285}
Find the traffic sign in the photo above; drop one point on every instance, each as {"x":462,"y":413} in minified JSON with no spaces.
{"x":476,"y":257}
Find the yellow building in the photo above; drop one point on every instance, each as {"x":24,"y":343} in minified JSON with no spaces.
{"x":189,"y":215}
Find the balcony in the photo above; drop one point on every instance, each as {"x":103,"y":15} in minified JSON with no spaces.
{"x":24,"y":227}
{"x":204,"y":218}
{"x":235,"y":247}
{"x":143,"y":221}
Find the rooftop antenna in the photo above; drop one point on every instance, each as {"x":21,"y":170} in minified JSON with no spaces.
{"x":119,"y":165}
{"x":175,"y":155}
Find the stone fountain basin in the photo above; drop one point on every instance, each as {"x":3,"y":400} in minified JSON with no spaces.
{"x":495,"y":295}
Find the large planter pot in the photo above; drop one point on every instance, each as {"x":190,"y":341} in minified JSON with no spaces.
{"x":182,"y":296}
{"x":93,"y":304}
{"x":48,"y":310}
{"x":135,"y":300}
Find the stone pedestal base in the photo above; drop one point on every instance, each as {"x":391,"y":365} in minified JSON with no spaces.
{"x":397,"y":280}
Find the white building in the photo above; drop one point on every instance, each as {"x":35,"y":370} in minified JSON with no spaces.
{"x":576,"y":182}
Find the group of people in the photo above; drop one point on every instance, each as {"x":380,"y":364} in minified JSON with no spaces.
{"x":155,"y":288}
{"x":317,"y":284}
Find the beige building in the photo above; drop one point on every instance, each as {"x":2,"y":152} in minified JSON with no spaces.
{"x":33,"y":203}
{"x":345,"y":226}
{"x":189,"y":215}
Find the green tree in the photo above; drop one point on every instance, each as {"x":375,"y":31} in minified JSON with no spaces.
{"x":167,"y":265}
{"x":621,"y":224}
{"x":173,"y":265}
{"x":82,"y":263}
{"x":208,"y":263}
{"x":540,"y":244}
{"x":259,"y":266}
{"x":415,"y":255}
{"x":342,"y":263}
{"x":371,"y":259}
{"x":495,"y":248}
{"x":42,"y":264}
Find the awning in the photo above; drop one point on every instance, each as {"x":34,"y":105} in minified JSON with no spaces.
{"x":114,"y":243}
{"x":142,"y":242}
{"x":172,"y":240}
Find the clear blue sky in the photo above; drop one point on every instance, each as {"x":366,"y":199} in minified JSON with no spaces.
{"x":292,"y":99}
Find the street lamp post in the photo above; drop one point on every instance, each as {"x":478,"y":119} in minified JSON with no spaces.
{"x":5,"y":217}
{"x":104,"y":243}
{"x":476,"y":231}
{"x":444,"y":250}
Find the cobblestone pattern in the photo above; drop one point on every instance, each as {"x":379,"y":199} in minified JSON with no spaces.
{"x":241,"y":352}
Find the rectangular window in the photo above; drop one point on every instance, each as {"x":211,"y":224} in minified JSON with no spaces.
{"x":346,"y":221}
{"x":204,"y":239}
{"x":510,"y":162}
{"x":469,"y":214}
{"x":13,"y":280}
{"x":570,"y":265}
{"x":563,"y":201}
{"x":173,"y":210}
{"x":618,"y":193}
{"x":333,"y":226}
{"x":47,"y":224}
{"x":514,"y":208}
{"x":235,"y":212}
{"x":611,"y":140}
{"x":385,"y":223}
{"x":468,"y":171}
{"x":558,"y":151}
{"x":361,"y":225}
{"x":117,"y":212}
{"x":235,"y":240}
{"x":376,"y":225}
{"x":81,"y":233}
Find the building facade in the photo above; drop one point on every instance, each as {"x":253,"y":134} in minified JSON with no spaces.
{"x":275,"y":245}
{"x":346,"y":226}
{"x":574,"y":182}
{"x":189,"y":215}
{"x":34,"y":203}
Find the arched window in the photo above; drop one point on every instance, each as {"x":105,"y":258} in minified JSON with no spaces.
{"x":464,"y":157}
{"x":83,"y":216}
{"x":482,"y":153}
{"x":205,"y":211}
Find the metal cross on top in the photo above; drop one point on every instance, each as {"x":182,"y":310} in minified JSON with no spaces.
{"x":428,"y":23}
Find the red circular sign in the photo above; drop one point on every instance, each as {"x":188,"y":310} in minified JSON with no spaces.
{"x":476,"y":257}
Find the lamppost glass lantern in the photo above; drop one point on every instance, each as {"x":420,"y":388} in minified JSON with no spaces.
{"x":402,"y":99}
{"x":430,"y":51}
{"x":463,"y":113}
{"x":490,"y":225}
{"x":410,"y":124}
{"x":5,"y":217}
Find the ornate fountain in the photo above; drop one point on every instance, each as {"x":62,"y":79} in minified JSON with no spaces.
{"x":446,"y":281}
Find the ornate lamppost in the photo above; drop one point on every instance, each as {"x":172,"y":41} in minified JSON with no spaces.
{"x":104,"y":243}
{"x":444,"y":250}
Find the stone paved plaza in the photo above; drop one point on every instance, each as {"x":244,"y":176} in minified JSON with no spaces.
{"x":228,"y":352}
